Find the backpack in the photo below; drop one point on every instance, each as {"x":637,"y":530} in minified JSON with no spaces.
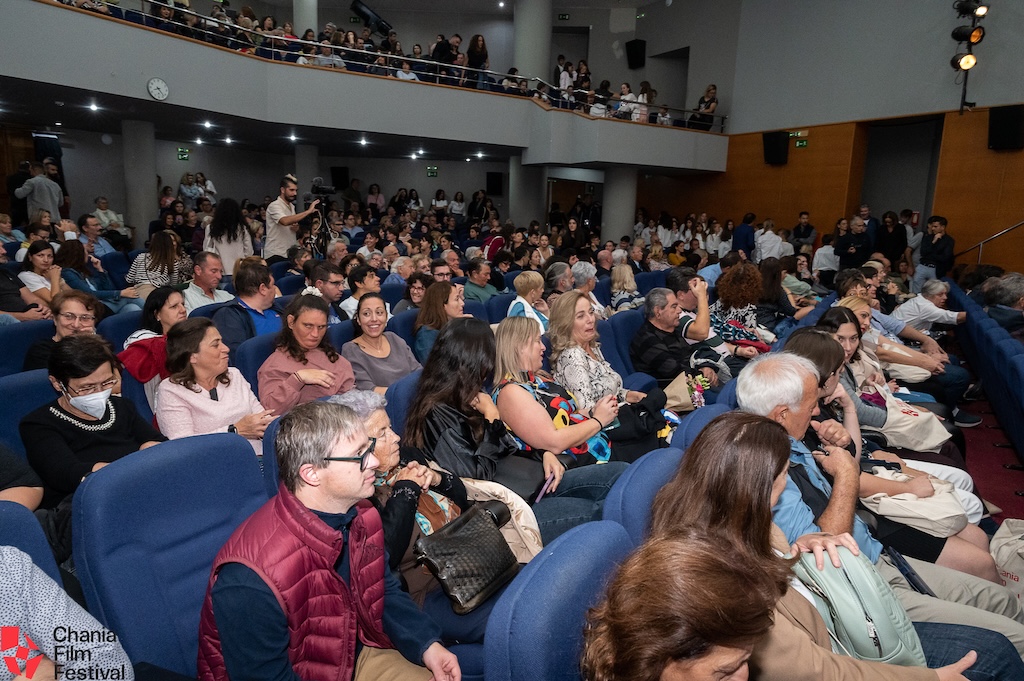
{"x":864,"y":618}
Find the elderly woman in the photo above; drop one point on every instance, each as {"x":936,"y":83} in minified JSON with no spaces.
{"x":529,"y":287}
{"x":74,"y":313}
{"x":203,"y":394}
{"x":378,"y":357}
{"x":582,"y":370}
{"x":458,"y":425}
{"x":624,"y":292}
{"x":86,"y":427}
{"x":585,"y":275}
{"x":414,"y":501}
{"x":145,"y":351}
{"x":442,"y":303}
{"x":415,"y":288}
{"x":304,"y":366}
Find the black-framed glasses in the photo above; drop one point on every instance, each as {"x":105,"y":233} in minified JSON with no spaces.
{"x":363,"y":459}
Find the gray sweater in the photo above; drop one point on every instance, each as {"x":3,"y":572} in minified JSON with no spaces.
{"x":867,"y":414}
{"x":41,"y":193}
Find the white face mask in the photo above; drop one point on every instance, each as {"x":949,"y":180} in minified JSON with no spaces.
{"x":95,"y":404}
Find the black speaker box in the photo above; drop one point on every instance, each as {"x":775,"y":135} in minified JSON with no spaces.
{"x":636,"y":53}
{"x":1006,"y":127}
{"x":339,"y":178}
{"x":495,"y":184}
{"x":776,"y":147}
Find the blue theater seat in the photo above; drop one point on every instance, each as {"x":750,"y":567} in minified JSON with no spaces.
{"x":630,"y":499}
{"x":20,"y":528}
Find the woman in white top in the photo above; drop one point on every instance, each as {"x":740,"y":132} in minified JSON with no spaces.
{"x":414,"y":200}
{"x":457,"y":208}
{"x":39,"y":273}
{"x":769,"y":244}
{"x":544,"y":250}
{"x":227,"y":235}
{"x":439,"y":203}
{"x":645,"y":97}
{"x":627,"y":102}
{"x":209,"y":191}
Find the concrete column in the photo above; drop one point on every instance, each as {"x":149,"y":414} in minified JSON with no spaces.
{"x":532,"y":39}
{"x":526,"y":192}
{"x":304,"y":16}
{"x":619,"y":208}
{"x":138,"y":144}
{"x":307,"y":166}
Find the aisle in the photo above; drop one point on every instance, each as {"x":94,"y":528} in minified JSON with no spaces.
{"x":985,"y":463}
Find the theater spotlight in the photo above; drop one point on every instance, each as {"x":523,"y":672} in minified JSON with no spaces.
{"x":969,"y":34}
{"x":963,"y":62}
{"x":966,"y":8}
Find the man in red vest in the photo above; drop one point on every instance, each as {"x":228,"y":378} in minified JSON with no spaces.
{"x":302,"y":589}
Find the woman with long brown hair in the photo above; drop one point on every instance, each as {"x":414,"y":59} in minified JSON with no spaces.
{"x":442,"y":303}
{"x":163,"y":265}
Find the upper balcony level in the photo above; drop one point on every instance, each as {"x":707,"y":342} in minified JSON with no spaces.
{"x":53,"y":45}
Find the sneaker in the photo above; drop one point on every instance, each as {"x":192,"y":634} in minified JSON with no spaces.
{"x":964,"y":419}
{"x":974,"y":392}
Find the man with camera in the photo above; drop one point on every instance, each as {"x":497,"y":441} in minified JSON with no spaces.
{"x":283,"y":221}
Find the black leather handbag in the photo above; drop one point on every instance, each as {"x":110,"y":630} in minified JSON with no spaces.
{"x":469,"y":556}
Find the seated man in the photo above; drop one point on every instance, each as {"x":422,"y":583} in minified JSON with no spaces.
{"x":451,"y":256}
{"x":439,"y":270}
{"x":327,"y":278}
{"x":89,"y":226}
{"x":361,"y":280}
{"x":275,"y":606}
{"x":401,"y":269}
{"x":659,"y":347}
{"x":478,"y":287}
{"x":784,"y":388}
{"x":254,"y":311}
{"x":207,"y":271}
{"x":1005,"y":298}
{"x":929,"y":308}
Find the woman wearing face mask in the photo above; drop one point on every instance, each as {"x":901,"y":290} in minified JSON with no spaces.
{"x":85,"y":428}
{"x":378,"y":357}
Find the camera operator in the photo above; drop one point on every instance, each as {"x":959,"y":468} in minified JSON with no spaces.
{"x":283,"y":221}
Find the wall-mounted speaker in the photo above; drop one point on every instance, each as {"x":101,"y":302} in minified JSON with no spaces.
{"x":776,"y":147}
{"x":636,"y":53}
{"x":495,"y":184}
{"x":339,"y":178}
{"x":1006,"y":127}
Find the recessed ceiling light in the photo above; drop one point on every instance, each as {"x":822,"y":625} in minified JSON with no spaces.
{"x":93,"y":107}
{"x":413,"y":156}
{"x":479,"y":154}
{"x":227,"y":140}
{"x":421,"y":152}
{"x":468,"y":160}
{"x":363,"y":142}
{"x":501,"y":4}
{"x":292,"y":137}
{"x":199,"y":141}
{"x":58,"y":123}
{"x":207,"y":125}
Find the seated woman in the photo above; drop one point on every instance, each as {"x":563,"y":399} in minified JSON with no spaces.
{"x":624,"y":292}
{"x":734,"y":314}
{"x":777,"y":310}
{"x":415,"y":288}
{"x":585,"y":276}
{"x":304,"y":366}
{"x":162,"y":265}
{"x":86,"y":427}
{"x":677,"y":254}
{"x":414,"y":501}
{"x":528,"y":302}
{"x":582,"y":370}
{"x":657,"y":260}
{"x":378,"y":357}
{"x":74,"y":313}
{"x":458,"y":425}
{"x":297,"y":257}
{"x":203,"y":394}
{"x":145,"y":350}
{"x":38,"y":272}
{"x":442,"y":303}
{"x":84,"y":272}
{"x":722,"y":496}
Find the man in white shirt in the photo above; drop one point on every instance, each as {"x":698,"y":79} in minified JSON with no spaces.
{"x":926,"y":309}
{"x":283,"y":221}
{"x":206,"y":275}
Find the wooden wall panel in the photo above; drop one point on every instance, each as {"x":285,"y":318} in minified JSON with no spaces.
{"x":823,"y":178}
{"x":15,"y":146}
{"x":980,"y":191}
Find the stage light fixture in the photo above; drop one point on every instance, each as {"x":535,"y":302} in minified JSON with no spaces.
{"x":966,"y":8}
{"x":963,"y":62}
{"x":969,"y":34}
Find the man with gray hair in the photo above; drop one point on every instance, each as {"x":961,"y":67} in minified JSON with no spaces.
{"x":659,"y":347}
{"x":310,"y":567}
{"x":401,"y":270}
{"x":557,"y":280}
{"x":784,"y":388}
{"x":1006,"y":306}
{"x":921,"y":311}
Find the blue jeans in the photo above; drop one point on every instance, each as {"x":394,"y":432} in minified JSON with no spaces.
{"x":945,"y":644}
{"x":7,"y":320}
{"x":922,"y":273}
{"x":122,"y":304}
{"x":578,"y":499}
{"x":468,"y":628}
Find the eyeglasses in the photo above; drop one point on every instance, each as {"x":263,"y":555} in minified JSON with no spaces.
{"x":71,"y":317}
{"x":442,"y":275}
{"x":363,"y":459}
{"x":93,"y":387}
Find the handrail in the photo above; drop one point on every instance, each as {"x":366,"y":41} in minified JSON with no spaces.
{"x":294,"y":46}
{"x":981,"y":244}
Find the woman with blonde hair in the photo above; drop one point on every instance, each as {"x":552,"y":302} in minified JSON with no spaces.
{"x":657,"y":259}
{"x":528,"y":302}
{"x":624,"y":292}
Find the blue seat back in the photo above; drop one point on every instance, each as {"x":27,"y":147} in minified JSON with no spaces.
{"x":290,"y":284}
{"x":339,"y":334}
{"x":603,"y":291}
{"x":279,"y":270}
{"x":646,"y":281}
{"x":16,"y":339}
{"x":400,"y":395}
{"x":402,"y":325}
{"x":147,"y":528}
{"x":12,"y":250}
{"x":510,"y":278}
{"x":625,"y":324}
{"x":609,"y":347}
{"x":727,"y":395}
{"x":497,"y":306}
{"x":271,"y":472}
{"x":117,"y":327}
{"x":207,"y":310}
{"x":536,"y":628}
{"x":252,"y":354}
{"x":392,"y":293}
{"x":477,"y":309}
{"x":695,"y":422}
{"x":630,"y":499}
{"x":135,"y":392}
{"x":23,"y":393}
{"x":116,"y":266}
{"x":20,"y":528}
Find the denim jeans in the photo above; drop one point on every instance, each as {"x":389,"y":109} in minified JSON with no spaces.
{"x":468,"y":628}
{"x":7,"y":320}
{"x":945,"y":644}
{"x":922,"y":273}
{"x":578,"y":499}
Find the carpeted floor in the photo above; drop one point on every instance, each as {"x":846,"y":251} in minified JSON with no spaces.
{"x":985,"y":463}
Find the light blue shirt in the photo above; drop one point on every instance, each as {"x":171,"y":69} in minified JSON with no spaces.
{"x":795,"y":518}
{"x":101,"y":247}
{"x":888,"y":325}
{"x":711,"y":273}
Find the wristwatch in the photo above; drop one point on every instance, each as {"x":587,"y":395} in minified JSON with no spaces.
{"x":232,"y":429}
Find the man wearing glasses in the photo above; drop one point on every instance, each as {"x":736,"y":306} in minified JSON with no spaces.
{"x":302,"y":588}
{"x":440,"y":270}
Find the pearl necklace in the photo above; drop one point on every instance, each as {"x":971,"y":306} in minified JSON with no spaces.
{"x":90,"y":427}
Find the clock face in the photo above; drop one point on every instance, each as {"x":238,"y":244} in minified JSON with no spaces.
{"x":158,"y":89}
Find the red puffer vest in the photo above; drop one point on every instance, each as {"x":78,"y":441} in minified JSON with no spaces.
{"x":294,"y":553}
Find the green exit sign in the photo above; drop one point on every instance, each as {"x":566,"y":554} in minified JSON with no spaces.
{"x":563,"y":17}
{"x":182,"y":154}
{"x":800,"y":144}
{"x":431,"y":171}
{"x":355,"y":20}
